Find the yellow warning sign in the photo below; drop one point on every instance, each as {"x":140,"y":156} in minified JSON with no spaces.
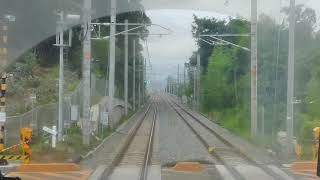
{"x":14,"y":157}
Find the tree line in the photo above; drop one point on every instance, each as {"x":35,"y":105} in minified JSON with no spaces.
{"x":225,"y":77}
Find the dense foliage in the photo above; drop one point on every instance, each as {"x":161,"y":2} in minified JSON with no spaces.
{"x":225,"y":87}
{"x":36,"y":70}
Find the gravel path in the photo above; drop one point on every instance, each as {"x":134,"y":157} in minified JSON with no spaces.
{"x":224,"y":151}
{"x":258,"y":154}
{"x":177,"y":142}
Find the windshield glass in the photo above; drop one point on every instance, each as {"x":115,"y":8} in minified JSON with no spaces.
{"x":159,"y":89}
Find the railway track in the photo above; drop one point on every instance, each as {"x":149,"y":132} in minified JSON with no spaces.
{"x":219,"y":148}
{"x":137,"y":148}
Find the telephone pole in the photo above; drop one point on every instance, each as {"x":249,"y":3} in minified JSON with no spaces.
{"x":144,"y":78}
{"x":178,"y":81}
{"x":198,"y":79}
{"x":290,"y":87}
{"x":254,"y":103}
{"x":126,"y":39}
{"x":184,"y":74}
{"x":60,"y":43}
{"x":112,"y":47}
{"x":139,"y":84}
{"x":134,"y":76}
{"x":86,"y":63}
{"x":194,"y":86}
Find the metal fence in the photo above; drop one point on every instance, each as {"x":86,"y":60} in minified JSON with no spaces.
{"x":47,"y":115}
{"x":98,"y":86}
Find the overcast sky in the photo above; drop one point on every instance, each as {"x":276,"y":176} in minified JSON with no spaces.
{"x":167,"y":52}
{"x":230,"y":7}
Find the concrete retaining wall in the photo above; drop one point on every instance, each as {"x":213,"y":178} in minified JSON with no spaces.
{"x":116,"y":113}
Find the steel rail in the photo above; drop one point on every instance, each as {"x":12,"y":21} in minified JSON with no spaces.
{"x":226,"y":142}
{"x":116,"y":161}
{"x":231,"y":169}
{"x":148,"y":154}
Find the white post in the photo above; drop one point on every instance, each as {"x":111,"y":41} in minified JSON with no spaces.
{"x":134,"y":76}
{"x":290,"y":89}
{"x":112,"y":47}
{"x":126,"y":39}
{"x":254,"y":102}
{"x":61,"y":75}
{"x":86,"y":63}
{"x":54,"y":139}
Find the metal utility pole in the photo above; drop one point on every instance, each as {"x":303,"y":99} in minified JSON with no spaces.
{"x":112,"y":47}
{"x":169,"y":85}
{"x":198,"y":79}
{"x":290,"y":87}
{"x":126,"y":54}
{"x":86,"y":63}
{"x":172,"y":86}
{"x":134,"y":76}
{"x":139,"y":84}
{"x":144,"y":81}
{"x":60,"y":43}
{"x":184,"y":74}
{"x":178,"y":81}
{"x":194,"y":87}
{"x":254,"y":52}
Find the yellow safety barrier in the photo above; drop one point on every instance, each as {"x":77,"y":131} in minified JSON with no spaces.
{"x":25,"y":157}
{"x":15,"y":157}
{"x":314,"y":147}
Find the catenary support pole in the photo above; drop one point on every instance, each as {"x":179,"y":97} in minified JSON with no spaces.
{"x":290,"y":89}
{"x":194,"y":87}
{"x":254,"y":102}
{"x":184,"y":75}
{"x":198,"y":80}
{"x":178,"y":81}
{"x":126,"y":54}
{"x":112,"y":51}
{"x":134,"y":76}
{"x":86,"y":66}
{"x":61,"y":76}
{"x":139,"y":83}
{"x":144,"y":84}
